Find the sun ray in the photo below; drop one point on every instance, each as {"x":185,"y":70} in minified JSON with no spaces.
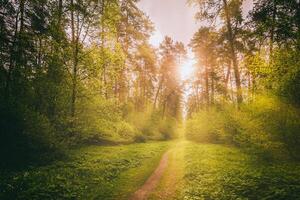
{"x":187,"y":68}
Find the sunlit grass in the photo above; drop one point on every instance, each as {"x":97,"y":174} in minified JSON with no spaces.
{"x":199,"y":171}
{"x":220,"y":172}
{"x":172,"y":181}
{"x":90,"y":173}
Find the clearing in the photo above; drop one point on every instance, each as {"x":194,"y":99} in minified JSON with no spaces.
{"x":180,"y":170}
{"x":209,"y":171}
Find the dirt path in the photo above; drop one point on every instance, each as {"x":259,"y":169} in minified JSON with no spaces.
{"x":166,"y":179}
{"x":171,"y":183}
{"x":153,"y":180}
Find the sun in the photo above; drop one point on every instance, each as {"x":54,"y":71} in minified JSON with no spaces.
{"x":187,"y":69}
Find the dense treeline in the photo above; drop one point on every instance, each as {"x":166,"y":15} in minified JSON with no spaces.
{"x":246,"y":91}
{"x":82,"y":71}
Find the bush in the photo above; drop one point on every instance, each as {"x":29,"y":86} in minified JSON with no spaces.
{"x":285,"y":75}
{"x":125,"y":130}
{"x":26,"y":137}
{"x":168,"y":128}
{"x":140,"y":138}
{"x":100,"y":120}
{"x":268,"y":127}
{"x":152,"y":126}
{"x":205,"y":126}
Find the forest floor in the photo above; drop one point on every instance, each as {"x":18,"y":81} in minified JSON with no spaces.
{"x":210,"y":171}
{"x":179,"y":169}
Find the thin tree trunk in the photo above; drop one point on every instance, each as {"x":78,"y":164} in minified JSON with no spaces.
{"x":233,"y":54}
{"x":212,"y":86}
{"x":274,"y":12}
{"x":75,"y":61}
{"x":227,"y":80}
{"x":207,"y":84}
{"x":157,"y":93}
{"x":12,"y":58}
{"x":104,"y":78}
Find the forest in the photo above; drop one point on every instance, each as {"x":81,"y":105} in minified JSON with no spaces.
{"x":91,"y":109}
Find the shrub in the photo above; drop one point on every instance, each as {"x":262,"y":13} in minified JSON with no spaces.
{"x":26,"y":136}
{"x":267,"y":127}
{"x":126,"y":131}
{"x":140,"y":138}
{"x":168,"y":128}
{"x":204,"y":126}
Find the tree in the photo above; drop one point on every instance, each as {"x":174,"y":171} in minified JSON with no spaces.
{"x":276,"y":21}
{"x":230,"y":13}
{"x":169,"y":87}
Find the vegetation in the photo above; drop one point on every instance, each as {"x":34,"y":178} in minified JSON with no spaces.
{"x":247,"y":84}
{"x":76,"y":73}
{"x":267,"y":127}
{"x":213,"y":171}
{"x":218,"y":172}
{"x":87,"y":102}
{"x":89,"y":173}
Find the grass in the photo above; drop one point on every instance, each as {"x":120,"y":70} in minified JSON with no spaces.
{"x":171,"y":183}
{"x":89,"y":173}
{"x":195,"y":172}
{"x":216,"y":172}
{"x":225,"y":173}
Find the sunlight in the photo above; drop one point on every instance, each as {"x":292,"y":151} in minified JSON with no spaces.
{"x":156,"y":38}
{"x":187,"y":69}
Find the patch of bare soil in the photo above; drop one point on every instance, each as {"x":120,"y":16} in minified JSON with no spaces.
{"x":153,"y":180}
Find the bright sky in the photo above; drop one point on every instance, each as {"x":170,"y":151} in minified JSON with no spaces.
{"x":177,"y":20}
{"x":171,"y":17}
{"x":174,"y":18}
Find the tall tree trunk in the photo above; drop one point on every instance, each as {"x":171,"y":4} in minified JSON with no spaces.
{"x":298,"y":25}
{"x":157,"y":92}
{"x":104,"y":73}
{"x":212,"y":85}
{"x":22,"y":11}
{"x":75,"y":61}
{"x":124,"y":85}
{"x":233,"y":54}
{"x":272,"y":31}
{"x":207,"y":84}
{"x":227,"y":80}
{"x":20,"y":48}
{"x":60,"y":10}
{"x":12,"y":59}
{"x":197,"y":97}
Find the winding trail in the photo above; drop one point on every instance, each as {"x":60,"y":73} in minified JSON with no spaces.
{"x":153,"y":180}
{"x":163,"y":182}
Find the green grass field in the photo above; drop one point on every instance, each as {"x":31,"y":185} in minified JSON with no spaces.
{"x":89,"y":173}
{"x":195,"y":172}
{"x":216,"y":172}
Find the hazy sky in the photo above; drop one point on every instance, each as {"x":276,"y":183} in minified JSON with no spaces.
{"x":173,"y":18}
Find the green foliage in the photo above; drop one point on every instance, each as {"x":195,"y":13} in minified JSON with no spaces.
{"x":152,"y":126}
{"x":225,"y":173}
{"x":66,"y":71}
{"x":205,"y":126}
{"x":168,"y":128}
{"x":26,"y":137}
{"x":267,"y":126}
{"x":285,"y":75}
{"x":89,"y":173}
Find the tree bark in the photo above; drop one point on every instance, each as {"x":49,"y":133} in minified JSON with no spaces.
{"x":212,"y":86}
{"x":157,"y":92}
{"x":227,"y":77}
{"x":272,"y":31}
{"x":207,"y":84}
{"x":75,"y":62}
{"x":233,"y":54}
